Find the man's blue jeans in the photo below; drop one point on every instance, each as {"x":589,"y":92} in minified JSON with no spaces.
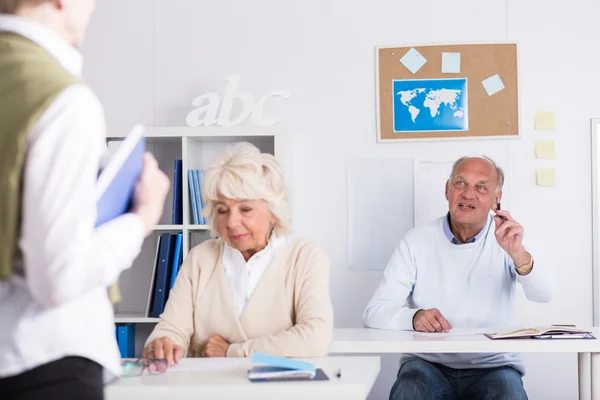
{"x":421,"y":380}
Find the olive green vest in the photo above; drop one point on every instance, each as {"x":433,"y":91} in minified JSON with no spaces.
{"x":30,"y":80}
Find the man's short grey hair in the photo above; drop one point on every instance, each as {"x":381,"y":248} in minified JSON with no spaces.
{"x":244,"y":173}
{"x":499,"y":171}
{"x":11,"y":6}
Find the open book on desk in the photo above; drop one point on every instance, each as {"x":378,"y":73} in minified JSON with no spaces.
{"x":119,"y":171}
{"x":544,"y":332}
{"x":273,"y":368}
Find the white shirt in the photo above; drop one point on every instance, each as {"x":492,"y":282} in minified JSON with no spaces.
{"x":56,"y":303}
{"x":242,"y":276}
{"x":472,"y":285}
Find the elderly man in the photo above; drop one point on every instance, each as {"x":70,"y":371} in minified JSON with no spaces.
{"x":460,"y":271}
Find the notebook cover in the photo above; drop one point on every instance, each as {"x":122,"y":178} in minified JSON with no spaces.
{"x":116,"y":199}
{"x":539,"y":337}
{"x":565,"y":337}
{"x":319,"y":376}
{"x":283,"y":362}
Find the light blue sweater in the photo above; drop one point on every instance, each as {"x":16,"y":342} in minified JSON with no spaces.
{"x":472,"y":284}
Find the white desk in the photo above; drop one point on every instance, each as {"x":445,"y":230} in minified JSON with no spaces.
{"x":373,"y":341}
{"x":226,"y":378}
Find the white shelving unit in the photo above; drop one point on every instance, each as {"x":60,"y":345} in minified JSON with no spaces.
{"x":134,"y":318}
{"x":197,"y":148}
{"x":168,"y":227}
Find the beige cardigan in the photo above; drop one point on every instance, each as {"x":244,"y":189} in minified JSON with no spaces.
{"x":289,"y":313}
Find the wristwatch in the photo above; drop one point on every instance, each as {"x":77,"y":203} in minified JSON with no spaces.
{"x":525,"y":268}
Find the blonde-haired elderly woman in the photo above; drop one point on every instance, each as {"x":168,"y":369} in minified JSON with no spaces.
{"x":254,"y":287}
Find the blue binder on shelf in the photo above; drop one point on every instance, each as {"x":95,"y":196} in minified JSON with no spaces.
{"x":126,"y":339}
{"x":150,"y":300}
{"x":176,"y":259}
{"x":118,"y":176}
{"x":200,"y":176}
{"x":177,"y":217}
{"x":198,"y":193}
{"x":192,"y":190}
{"x":165,"y":257}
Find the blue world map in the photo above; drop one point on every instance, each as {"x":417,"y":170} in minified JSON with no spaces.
{"x":430,"y":105}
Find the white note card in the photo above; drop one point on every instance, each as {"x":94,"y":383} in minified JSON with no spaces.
{"x":413,"y":60}
{"x":493,"y":85}
{"x":450,"y":63}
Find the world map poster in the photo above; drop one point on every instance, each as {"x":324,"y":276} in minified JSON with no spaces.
{"x":430,"y":105}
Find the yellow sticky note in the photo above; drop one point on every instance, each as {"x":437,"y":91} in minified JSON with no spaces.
{"x":545,"y":177}
{"x":545,"y":149}
{"x":544,"y":120}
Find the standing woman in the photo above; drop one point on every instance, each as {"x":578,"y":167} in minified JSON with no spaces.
{"x":255,"y":287}
{"x":57,"y":337}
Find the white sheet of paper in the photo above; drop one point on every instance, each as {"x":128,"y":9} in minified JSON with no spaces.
{"x":380,"y":209}
{"x":429,"y":185}
{"x":455,"y":332}
{"x":204,"y":364}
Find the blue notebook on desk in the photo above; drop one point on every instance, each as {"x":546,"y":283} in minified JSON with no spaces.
{"x":118,"y":176}
{"x":281,"y":362}
{"x":268,"y":368}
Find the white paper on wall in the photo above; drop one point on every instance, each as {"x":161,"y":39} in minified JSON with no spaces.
{"x":429,"y":188}
{"x":380,"y":209}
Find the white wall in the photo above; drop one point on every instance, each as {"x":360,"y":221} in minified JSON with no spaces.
{"x":148,"y":59}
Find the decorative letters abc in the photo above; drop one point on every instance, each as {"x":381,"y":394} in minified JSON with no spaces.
{"x":208,"y":113}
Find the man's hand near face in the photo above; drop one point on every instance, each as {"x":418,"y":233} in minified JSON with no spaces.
{"x":509,"y":234}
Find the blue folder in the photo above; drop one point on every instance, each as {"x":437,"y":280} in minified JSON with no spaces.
{"x":176,"y":259}
{"x":198,"y":193}
{"x":116,"y":199}
{"x":200,"y":178}
{"x":165,"y":257}
{"x":177,"y":217}
{"x":282,"y":362}
{"x":192,"y":190}
{"x":126,"y":340}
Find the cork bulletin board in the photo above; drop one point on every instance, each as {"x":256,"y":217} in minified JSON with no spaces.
{"x":447,"y":91}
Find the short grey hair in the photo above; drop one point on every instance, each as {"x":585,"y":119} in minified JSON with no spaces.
{"x":243,"y":172}
{"x":499,"y":171}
